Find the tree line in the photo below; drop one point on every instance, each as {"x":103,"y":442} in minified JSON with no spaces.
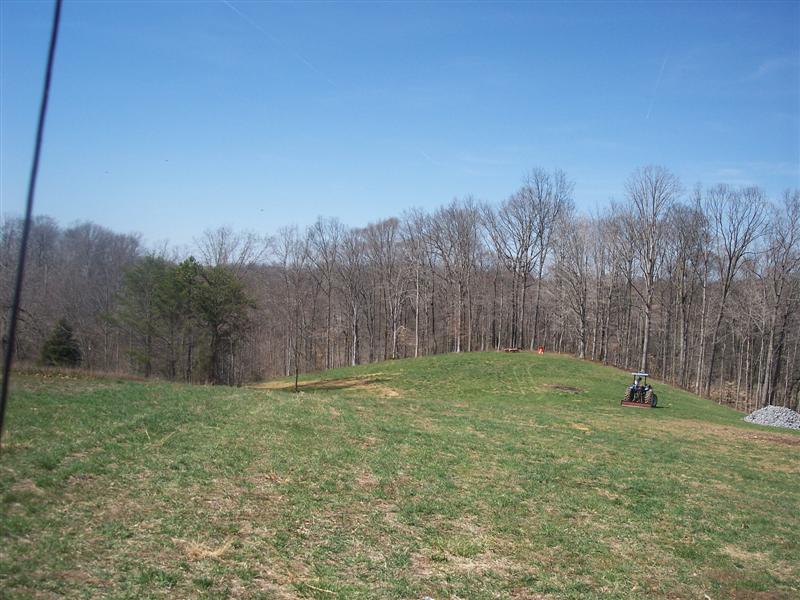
{"x":698,"y":287}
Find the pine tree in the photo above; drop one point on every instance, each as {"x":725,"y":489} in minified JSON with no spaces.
{"x":61,"y":348}
{"x":222,"y":307}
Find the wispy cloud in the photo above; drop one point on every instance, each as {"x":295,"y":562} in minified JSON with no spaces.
{"x":730,"y":175}
{"x":483,"y":161}
{"x":427,"y":157}
{"x":466,"y":164}
{"x":774,"y":65}
{"x":278,"y":42}
{"x":598,"y":143}
{"x":751,"y":172}
{"x":655,"y":89}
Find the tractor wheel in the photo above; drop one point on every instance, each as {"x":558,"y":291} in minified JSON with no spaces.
{"x":628,"y":395}
{"x":651,"y":398}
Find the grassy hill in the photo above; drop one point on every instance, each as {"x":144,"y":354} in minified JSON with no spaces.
{"x":461,"y":476}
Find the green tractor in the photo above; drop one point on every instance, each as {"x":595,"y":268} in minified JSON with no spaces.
{"x":640,"y":393}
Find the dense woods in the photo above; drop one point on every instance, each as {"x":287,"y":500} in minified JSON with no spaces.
{"x":699,"y":287}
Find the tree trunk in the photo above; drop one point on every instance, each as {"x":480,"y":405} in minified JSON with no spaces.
{"x":703,"y":314}
{"x":534,"y":336}
{"x":416,"y":314}
{"x":714,"y":334}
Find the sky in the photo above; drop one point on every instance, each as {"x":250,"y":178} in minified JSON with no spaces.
{"x":170,"y":118}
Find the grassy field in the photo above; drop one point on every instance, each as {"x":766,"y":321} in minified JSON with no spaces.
{"x":461,"y":476}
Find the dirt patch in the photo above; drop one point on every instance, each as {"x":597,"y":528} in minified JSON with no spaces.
{"x":444,"y":564}
{"x":366,"y":479}
{"x":368,"y":442}
{"x":394,"y":488}
{"x":80,"y":478}
{"x":81,"y":578}
{"x":742,"y":555}
{"x":373,"y":384}
{"x":274,"y":590}
{"x":423,"y":567}
{"x":751,"y":595}
{"x":426,"y":424}
{"x":774,"y":439}
{"x":523,"y":594}
{"x":729,"y":432}
{"x":27,"y":486}
{"x":264,"y":479}
{"x":606,"y":493}
{"x":565,"y":388}
{"x":16,"y":446}
{"x":483,"y":563}
{"x":468,"y":526}
{"x":729,"y":582}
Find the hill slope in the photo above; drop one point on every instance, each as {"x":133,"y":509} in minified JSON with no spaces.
{"x":472,"y":476}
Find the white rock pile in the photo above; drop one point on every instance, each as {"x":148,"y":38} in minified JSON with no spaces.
{"x":776,"y":416}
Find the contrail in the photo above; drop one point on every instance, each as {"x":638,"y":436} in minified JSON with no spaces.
{"x":655,"y":89}
{"x":278,"y":43}
{"x":427,"y":157}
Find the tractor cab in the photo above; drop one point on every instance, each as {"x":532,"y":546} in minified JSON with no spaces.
{"x":640,"y":393}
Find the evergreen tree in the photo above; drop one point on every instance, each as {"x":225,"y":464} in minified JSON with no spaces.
{"x":61,"y":348}
{"x":222,"y":306}
{"x":186,"y":313}
{"x":139,"y":307}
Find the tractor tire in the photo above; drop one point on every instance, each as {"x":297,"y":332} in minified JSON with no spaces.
{"x":628,"y":395}
{"x":651,"y":398}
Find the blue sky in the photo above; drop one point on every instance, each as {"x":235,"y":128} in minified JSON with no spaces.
{"x":168,"y":118}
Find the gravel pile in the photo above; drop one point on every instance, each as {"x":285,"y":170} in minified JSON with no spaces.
{"x":776,"y":416}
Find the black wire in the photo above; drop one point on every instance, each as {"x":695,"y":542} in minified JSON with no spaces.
{"x":26,"y":227}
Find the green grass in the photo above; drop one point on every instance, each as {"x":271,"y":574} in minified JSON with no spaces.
{"x":458,"y":476}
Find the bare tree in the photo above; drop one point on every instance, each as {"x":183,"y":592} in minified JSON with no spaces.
{"x":737,"y":220}
{"x":551,"y":201}
{"x":223,"y":247}
{"x":689,"y":291}
{"x":573,"y":270}
{"x":455,"y":238}
{"x":783,"y":264}
{"x":293,"y":256}
{"x":384,"y":249}
{"x":325,"y":235}
{"x":689,"y":237}
{"x":415,"y":232}
{"x":511,"y":229}
{"x":351,"y":264}
{"x":651,"y":192}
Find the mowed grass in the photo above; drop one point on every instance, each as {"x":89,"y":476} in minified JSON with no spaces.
{"x":462,"y":476}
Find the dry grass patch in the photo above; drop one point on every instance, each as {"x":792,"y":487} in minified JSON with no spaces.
{"x":367,"y":442}
{"x":564,"y":388}
{"x":743,"y":555}
{"x":81,"y":578}
{"x":703,"y":429}
{"x":198,"y":551}
{"x":27,"y":486}
{"x":372,"y":384}
{"x":366,"y":479}
{"x":524,"y":594}
{"x":437,"y":564}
